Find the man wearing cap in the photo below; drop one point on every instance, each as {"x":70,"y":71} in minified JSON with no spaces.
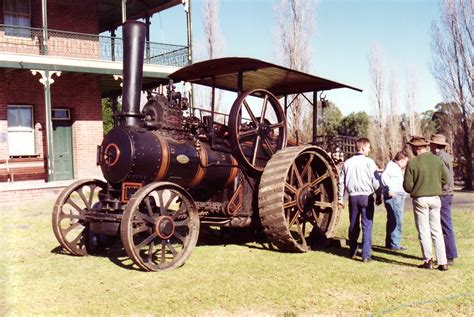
{"x":424,"y":178}
{"x":438,"y":145}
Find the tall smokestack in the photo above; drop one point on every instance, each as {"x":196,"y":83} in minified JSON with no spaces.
{"x":133,"y":50}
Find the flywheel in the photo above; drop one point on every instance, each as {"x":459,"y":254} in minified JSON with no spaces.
{"x":257,"y":129}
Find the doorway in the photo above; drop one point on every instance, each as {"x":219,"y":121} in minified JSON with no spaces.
{"x":62,"y":144}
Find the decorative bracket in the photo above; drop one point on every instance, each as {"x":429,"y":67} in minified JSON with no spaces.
{"x":119,"y":77}
{"x":185,"y":5}
{"x":46,"y":80}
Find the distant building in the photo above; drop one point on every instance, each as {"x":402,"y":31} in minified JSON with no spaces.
{"x":54,"y":69}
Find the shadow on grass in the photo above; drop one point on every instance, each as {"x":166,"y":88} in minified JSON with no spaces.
{"x":402,"y":254}
{"x":335,"y":247}
{"x":252,"y":238}
{"x":59,"y":250}
{"x":249,"y":238}
{"x":115,"y":253}
{"x":234,"y":236}
{"x":119,"y":257}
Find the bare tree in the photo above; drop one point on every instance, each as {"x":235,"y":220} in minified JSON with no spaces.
{"x":294,"y":27}
{"x":212,"y":32}
{"x":452,"y":42}
{"x":214,"y":46}
{"x":385,"y":132}
{"x":376,"y":131}
{"x":414,"y":125}
{"x":392,"y":128}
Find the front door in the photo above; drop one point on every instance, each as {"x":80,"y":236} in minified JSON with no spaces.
{"x":62,"y":144}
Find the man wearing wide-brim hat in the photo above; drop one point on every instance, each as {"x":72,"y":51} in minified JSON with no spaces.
{"x":438,"y":147}
{"x":424,"y":178}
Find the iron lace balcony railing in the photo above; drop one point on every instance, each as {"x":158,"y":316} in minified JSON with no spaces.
{"x":21,"y":40}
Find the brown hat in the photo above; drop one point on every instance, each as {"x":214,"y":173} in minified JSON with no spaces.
{"x":438,"y":139}
{"x":418,"y":141}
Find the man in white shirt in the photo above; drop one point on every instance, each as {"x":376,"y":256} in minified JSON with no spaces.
{"x":394,"y":198}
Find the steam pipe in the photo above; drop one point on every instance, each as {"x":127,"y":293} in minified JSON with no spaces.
{"x":133,"y":54}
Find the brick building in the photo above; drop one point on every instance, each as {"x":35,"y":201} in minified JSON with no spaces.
{"x":55,"y":66}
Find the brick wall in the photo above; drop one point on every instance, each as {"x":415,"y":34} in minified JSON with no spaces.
{"x":72,"y":16}
{"x":3,"y":117}
{"x":80,"y":93}
{"x":24,"y":89}
{"x":63,"y":16}
{"x":14,"y":197}
{"x":36,"y":14}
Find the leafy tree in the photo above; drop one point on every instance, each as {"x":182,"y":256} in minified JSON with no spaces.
{"x":331,"y":119}
{"x":444,"y":119}
{"x":447,"y":119}
{"x":356,"y":124}
{"x":107,"y":114}
{"x":428,"y":125}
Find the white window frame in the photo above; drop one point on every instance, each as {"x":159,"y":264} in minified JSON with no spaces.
{"x":13,"y":136}
{"x":68,"y":111}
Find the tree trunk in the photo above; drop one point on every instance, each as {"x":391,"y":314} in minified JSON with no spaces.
{"x":468,"y":155}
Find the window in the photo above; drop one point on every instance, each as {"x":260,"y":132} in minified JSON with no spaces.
{"x":21,"y":133}
{"x":17,"y":14}
{"x":61,"y":114}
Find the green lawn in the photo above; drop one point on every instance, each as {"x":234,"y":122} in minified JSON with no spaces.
{"x":223,"y":280}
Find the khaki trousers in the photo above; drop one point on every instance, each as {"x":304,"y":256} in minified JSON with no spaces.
{"x":428,"y":223}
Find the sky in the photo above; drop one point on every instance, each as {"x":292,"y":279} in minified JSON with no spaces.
{"x":345,"y":31}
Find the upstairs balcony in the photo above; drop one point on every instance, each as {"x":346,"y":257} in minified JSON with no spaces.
{"x":30,"y":41}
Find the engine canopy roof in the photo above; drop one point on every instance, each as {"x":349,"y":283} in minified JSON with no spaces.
{"x":223,"y":73}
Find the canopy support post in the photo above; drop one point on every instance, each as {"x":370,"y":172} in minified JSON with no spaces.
{"x":315,"y":117}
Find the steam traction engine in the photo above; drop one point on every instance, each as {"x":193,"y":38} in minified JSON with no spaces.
{"x":169,"y":173}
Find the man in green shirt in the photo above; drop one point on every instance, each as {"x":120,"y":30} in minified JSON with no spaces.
{"x":424,"y":178}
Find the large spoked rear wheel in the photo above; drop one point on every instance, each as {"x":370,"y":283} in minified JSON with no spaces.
{"x":297,"y":198}
{"x":257,"y":129}
{"x":69,"y":224}
{"x":160,"y":227}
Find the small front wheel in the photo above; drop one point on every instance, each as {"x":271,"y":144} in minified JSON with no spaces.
{"x":160,"y":227}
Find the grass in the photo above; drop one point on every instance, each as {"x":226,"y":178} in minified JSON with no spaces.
{"x":36,"y":278}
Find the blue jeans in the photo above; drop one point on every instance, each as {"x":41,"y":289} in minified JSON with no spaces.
{"x":447,"y":226}
{"x":361,"y":209}
{"x":394,"y":206}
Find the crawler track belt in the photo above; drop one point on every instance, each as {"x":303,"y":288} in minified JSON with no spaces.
{"x":273,"y":199}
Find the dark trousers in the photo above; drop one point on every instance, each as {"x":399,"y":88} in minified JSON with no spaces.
{"x":447,"y":226}
{"x":361,"y":210}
